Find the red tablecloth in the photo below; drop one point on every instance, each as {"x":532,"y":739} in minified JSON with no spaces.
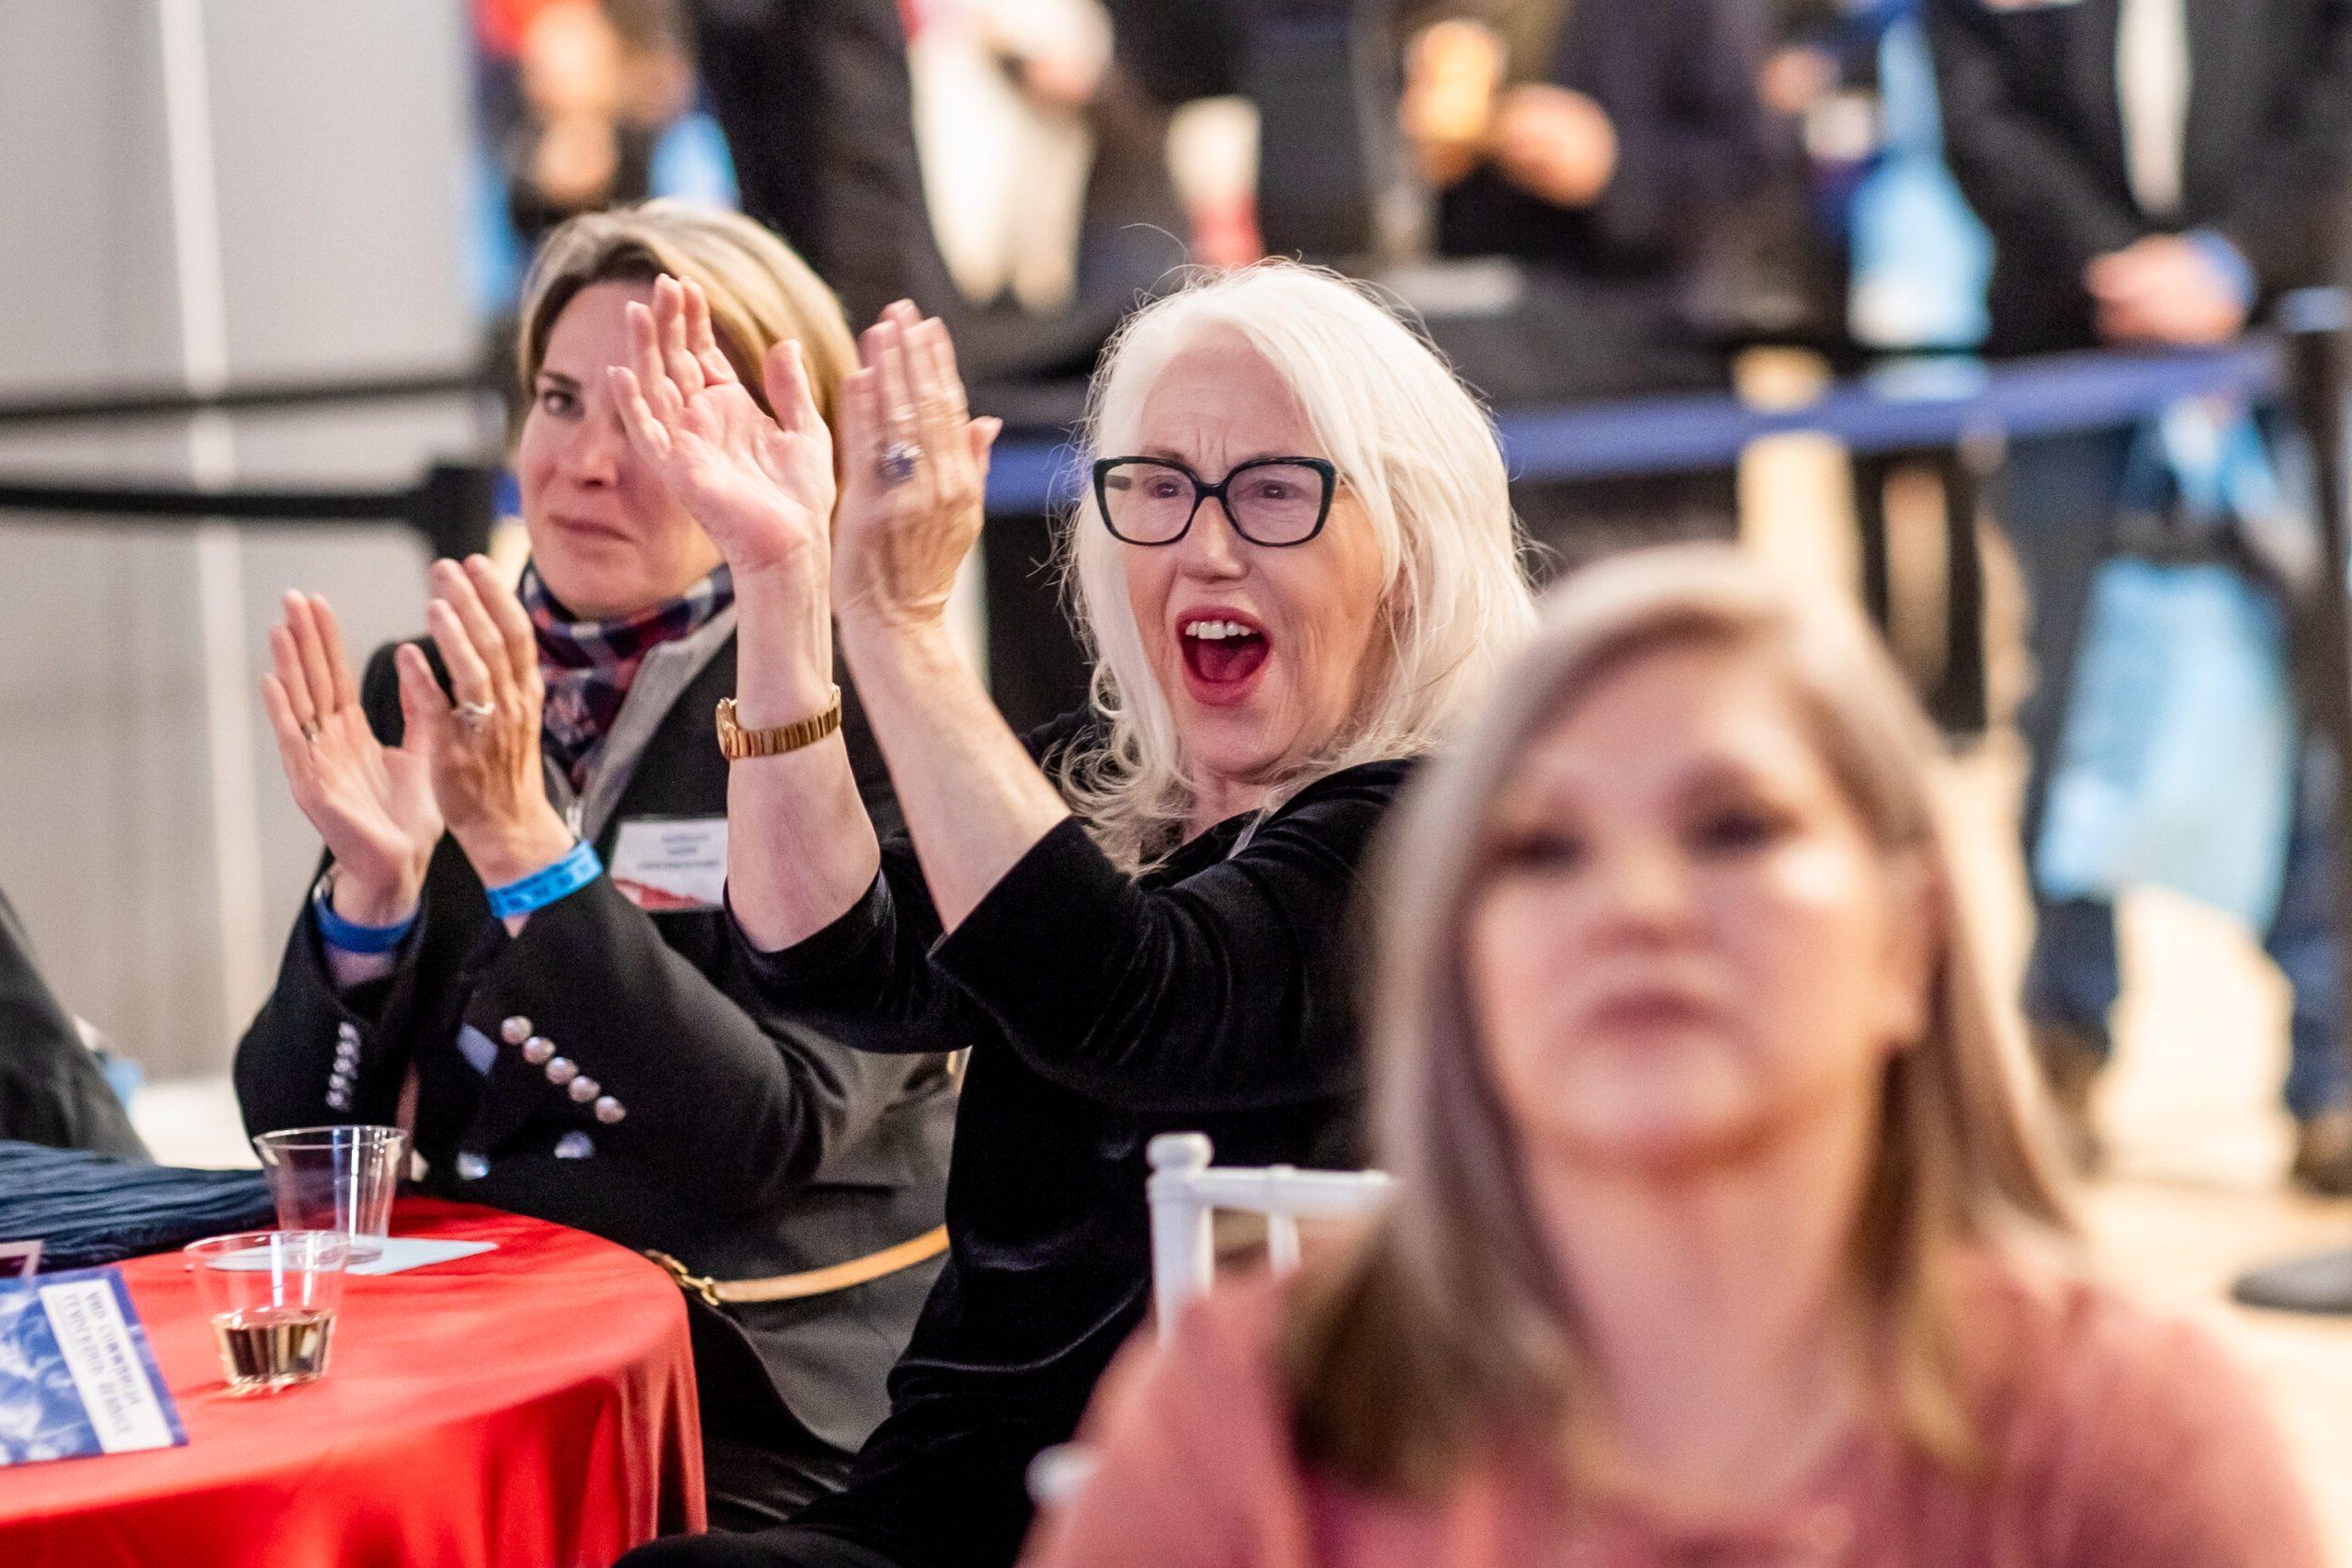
{"x":531,"y":1406}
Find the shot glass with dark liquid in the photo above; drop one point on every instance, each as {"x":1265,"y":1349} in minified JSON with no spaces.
{"x":272,"y":1296}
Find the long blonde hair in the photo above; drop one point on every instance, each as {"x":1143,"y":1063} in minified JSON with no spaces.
{"x":1412,"y":445}
{"x":1449,"y":1326}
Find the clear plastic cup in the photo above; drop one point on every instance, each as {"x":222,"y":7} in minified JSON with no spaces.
{"x":272,"y":1296}
{"x":336,"y":1179}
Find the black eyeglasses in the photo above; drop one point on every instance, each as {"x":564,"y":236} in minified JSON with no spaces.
{"x":1269,"y":501}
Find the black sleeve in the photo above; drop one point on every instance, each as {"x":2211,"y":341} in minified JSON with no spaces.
{"x":2287,"y":217}
{"x":735,"y":1103}
{"x":1196,"y":50}
{"x":867,"y":978}
{"x":1233,"y":988}
{"x":1681,"y":92}
{"x":51,"y":1091}
{"x":815,"y":102}
{"x":2033,"y":190}
{"x":315,"y":1055}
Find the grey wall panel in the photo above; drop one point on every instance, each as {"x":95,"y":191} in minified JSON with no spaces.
{"x":86,"y":259}
{"x":336,"y":133}
{"x":341,"y":191}
{"x":105,"y":842}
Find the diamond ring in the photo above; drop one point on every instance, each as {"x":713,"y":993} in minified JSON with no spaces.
{"x":899,"y":462}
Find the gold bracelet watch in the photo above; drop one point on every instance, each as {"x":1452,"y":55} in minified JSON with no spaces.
{"x":739,"y":743}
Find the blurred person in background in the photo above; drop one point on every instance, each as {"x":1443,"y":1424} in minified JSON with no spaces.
{"x":1611,"y":150}
{"x":517,"y":944}
{"x":2153,"y":172}
{"x":816,"y":99}
{"x":52,"y":1089}
{"x":1296,"y":564}
{"x":603,"y":113}
{"x":1723,"y":1232}
{"x":1599,"y":142}
{"x":1045,"y":156}
{"x":816,"y":104}
{"x":573,"y":153}
{"x":579,"y":106}
{"x":1001,"y":94}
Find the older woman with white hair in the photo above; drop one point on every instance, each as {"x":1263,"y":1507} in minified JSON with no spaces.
{"x":1725,"y":1233}
{"x":1295,"y":562}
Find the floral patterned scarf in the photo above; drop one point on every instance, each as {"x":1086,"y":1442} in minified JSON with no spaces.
{"x":588,"y":664}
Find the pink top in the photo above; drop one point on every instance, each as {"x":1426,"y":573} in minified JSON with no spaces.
{"x":2119,"y":1438}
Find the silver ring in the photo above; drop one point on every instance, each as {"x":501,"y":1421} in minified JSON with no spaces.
{"x":472,"y":714}
{"x":899,"y":462}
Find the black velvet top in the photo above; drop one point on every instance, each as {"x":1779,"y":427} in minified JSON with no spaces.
{"x":1216,"y":994}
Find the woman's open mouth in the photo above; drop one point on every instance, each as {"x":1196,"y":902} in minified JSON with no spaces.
{"x":1223,"y":656}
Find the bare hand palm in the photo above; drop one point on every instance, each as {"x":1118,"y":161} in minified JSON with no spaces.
{"x":749,"y":482}
{"x":372,"y":804}
{"x":761,"y":487}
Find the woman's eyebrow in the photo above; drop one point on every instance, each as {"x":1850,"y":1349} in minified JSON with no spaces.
{"x":1534,"y":801}
{"x":1719,"y":771}
{"x":1167,"y":455}
{"x":561,"y":381}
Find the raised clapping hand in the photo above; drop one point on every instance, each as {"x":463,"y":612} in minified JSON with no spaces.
{"x":372,"y":804}
{"x":483,"y":750}
{"x":915,"y":461}
{"x":762,"y":487}
{"x":915,"y":466}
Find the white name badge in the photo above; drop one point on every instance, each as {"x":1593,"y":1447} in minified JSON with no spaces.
{"x":671,"y":865}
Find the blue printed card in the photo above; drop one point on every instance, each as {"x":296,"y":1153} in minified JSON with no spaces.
{"x":76,"y":1374}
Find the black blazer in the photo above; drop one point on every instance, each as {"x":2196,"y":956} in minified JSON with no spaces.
{"x":2034,"y":127}
{"x":752,"y":1145}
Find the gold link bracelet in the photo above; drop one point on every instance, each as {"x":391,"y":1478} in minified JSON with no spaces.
{"x":737,"y":744}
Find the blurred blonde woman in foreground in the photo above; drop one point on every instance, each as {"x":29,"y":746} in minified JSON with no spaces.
{"x":1724,"y":1231}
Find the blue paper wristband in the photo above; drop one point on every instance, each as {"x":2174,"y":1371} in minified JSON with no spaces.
{"x":537,"y":891}
{"x":349,"y":936}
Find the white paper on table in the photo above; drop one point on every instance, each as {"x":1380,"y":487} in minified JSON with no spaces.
{"x":403,"y":1252}
{"x":400,"y":1253}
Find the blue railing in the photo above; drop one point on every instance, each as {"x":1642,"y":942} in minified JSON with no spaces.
{"x":1898,"y":407}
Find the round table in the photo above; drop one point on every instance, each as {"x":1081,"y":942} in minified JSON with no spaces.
{"x":533,"y":1405}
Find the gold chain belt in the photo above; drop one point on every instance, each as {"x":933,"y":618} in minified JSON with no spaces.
{"x":808,"y":1282}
